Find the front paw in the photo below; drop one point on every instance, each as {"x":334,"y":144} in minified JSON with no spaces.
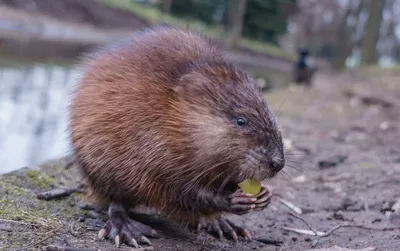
{"x":242,"y":203}
{"x":263,"y":198}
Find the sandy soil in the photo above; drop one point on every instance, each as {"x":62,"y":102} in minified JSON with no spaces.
{"x":343,"y":165}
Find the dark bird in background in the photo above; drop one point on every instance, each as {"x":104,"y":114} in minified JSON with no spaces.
{"x":303,"y":69}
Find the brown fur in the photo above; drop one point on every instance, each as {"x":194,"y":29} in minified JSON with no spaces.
{"x":152,"y":122}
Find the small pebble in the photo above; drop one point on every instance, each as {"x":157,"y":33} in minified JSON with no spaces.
{"x":376,"y":220}
{"x":332,"y":161}
{"x":338,"y":216}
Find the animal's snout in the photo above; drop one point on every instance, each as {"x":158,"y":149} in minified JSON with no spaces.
{"x":277,"y":164}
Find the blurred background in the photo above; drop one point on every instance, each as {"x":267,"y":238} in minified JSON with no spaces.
{"x":41,"y":42}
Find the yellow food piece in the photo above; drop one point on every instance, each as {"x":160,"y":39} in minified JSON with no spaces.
{"x":250,"y":186}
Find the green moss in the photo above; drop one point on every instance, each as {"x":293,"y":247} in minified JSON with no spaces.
{"x":18,"y":202}
{"x":40,"y":179}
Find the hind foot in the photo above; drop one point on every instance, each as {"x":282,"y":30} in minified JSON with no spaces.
{"x":121,"y":228}
{"x":223,"y":227}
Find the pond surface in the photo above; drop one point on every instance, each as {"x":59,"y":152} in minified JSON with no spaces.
{"x":33,"y":113}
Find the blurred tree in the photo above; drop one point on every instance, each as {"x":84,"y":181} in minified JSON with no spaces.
{"x":203,"y":10}
{"x":387,"y":38}
{"x":371,"y":37}
{"x":314,"y":26}
{"x":266,"y":20}
{"x":262,"y":20}
{"x":166,"y":6}
{"x":345,"y":39}
{"x":237,"y":10}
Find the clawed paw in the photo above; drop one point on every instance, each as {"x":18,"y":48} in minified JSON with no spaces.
{"x":242,"y":203}
{"x":223,"y":227}
{"x":122,"y":229}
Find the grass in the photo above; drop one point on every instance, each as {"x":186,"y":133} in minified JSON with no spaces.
{"x":32,"y":220}
{"x":155,"y":16}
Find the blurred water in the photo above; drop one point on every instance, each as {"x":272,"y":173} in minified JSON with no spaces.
{"x":33,"y":114}
{"x":52,"y":30}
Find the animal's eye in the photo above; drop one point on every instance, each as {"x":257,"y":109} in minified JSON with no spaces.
{"x":241,"y":121}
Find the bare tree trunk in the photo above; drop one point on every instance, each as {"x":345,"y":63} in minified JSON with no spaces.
{"x":368,"y":52}
{"x":345,"y":44}
{"x":237,"y":23}
{"x":231,"y":8}
{"x":388,"y":30}
{"x":166,"y":6}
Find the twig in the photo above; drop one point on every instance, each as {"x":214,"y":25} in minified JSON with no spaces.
{"x":38,"y":220}
{"x":349,"y":226}
{"x":269,"y":241}
{"x":19,"y":222}
{"x":49,"y":235}
{"x":290,"y":205}
{"x":71,"y":229}
{"x":56,"y":193}
{"x":305,"y":222}
{"x":304,"y":231}
{"x":58,"y":248}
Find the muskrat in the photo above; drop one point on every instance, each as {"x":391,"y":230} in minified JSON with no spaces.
{"x":162,"y":119}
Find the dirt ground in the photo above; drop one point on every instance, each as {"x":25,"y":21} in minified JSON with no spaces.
{"x":343,"y":169}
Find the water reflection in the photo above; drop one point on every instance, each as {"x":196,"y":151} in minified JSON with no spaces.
{"x":33,"y":114}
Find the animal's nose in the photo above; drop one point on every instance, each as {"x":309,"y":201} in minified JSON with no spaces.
{"x":277,"y":165}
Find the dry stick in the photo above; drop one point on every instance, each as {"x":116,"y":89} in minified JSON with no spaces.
{"x":288,"y":204}
{"x":49,"y":235}
{"x":338,"y":227}
{"x":56,"y":193}
{"x":18,"y":222}
{"x":305,"y":222}
{"x":355,"y":226}
{"x":57,"y":248}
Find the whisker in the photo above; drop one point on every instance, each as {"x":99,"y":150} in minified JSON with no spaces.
{"x":298,"y":163}
{"x":297,"y":167}
{"x":277,"y":111}
{"x":293,"y":153}
{"x":285,"y":174}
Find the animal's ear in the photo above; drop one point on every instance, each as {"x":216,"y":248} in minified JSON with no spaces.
{"x":191,"y":83}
